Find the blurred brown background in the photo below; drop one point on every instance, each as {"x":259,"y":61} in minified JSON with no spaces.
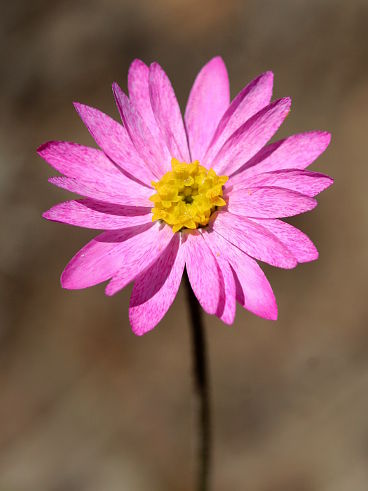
{"x":87,"y":406}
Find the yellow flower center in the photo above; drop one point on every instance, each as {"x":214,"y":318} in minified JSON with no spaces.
{"x":187,"y":195}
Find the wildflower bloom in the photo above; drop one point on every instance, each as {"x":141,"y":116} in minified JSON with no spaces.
{"x":206,"y":193}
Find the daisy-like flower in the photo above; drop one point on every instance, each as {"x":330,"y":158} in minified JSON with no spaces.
{"x":205,"y":194}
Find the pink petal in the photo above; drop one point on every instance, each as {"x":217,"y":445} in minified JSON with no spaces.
{"x":269,"y":202}
{"x":254,"y":97}
{"x":151,"y":149}
{"x":227,"y":302}
{"x":114,"y":141}
{"x":253,"y":289}
{"x":78,"y":161}
{"x":251,"y":137}
{"x":138,"y":85}
{"x":167,"y":113}
{"x":295,"y":152}
{"x":208,"y":100}
{"x":97,"y":215}
{"x":138,"y":255}
{"x":296,"y":241}
{"x":304,"y":182}
{"x":120,"y":191}
{"x":103,"y":256}
{"x":202,"y":271}
{"x":155,"y":288}
{"x":254,"y":240}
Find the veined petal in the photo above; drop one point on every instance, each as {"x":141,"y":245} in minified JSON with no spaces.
{"x":138,"y":86}
{"x":167,"y":113}
{"x":155,"y":288}
{"x":116,"y":191}
{"x":202,"y":271}
{"x":208,"y":100}
{"x":295,"y":152}
{"x":296,"y":241}
{"x":103,"y":256}
{"x":269,"y":202}
{"x":302,"y":181}
{"x":254,"y":97}
{"x":97,"y":215}
{"x":253,"y":289}
{"x":78,"y":161}
{"x":227,"y":302}
{"x":250,"y":137}
{"x":152,"y":150}
{"x":114,"y":141}
{"x":139,"y":255}
{"x":254,"y":240}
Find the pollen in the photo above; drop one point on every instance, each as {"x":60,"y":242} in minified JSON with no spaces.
{"x":187,"y":196}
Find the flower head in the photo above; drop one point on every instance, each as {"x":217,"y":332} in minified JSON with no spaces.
{"x":205,"y":194}
{"x":187,"y":196}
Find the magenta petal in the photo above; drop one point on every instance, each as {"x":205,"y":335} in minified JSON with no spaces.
{"x":254,"y":240}
{"x":227,"y":301}
{"x":302,"y":181}
{"x":138,"y":86}
{"x":269,"y":203}
{"x":296,"y":241}
{"x":202,"y":271}
{"x":155,"y":288}
{"x":253,"y":289}
{"x":151,"y":149}
{"x":250,"y":137}
{"x":208,"y":100}
{"x":254,"y":97}
{"x":102,"y":257}
{"x":120,"y":190}
{"x":78,"y":161}
{"x":295,"y":152}
{"x":167,"y":113}
{"x":139,"y":255}
{"x":97,"y":215}
{"x":114,"y":141}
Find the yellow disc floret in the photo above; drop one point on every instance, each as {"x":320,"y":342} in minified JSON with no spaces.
{"x":187,"y":195}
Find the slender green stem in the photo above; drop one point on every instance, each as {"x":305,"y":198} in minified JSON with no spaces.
{"x":201,"y":389}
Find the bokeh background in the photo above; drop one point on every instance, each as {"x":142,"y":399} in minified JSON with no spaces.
{"x":86,"y":405}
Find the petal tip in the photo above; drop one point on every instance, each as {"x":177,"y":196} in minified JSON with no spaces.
{"x":65,"y":281}
{"x":314,"y":203}
{"x":155,"y":66}
{"x":313,"y":255}
{"x":139,"y":331}
{"x":292,"y":263}
{"x":47,"y":215}
{"x":217,"y":60}
{"x":327,"y":137}
{"x":329,"y":181}
{"x":268,"y":75}
{"x":41,"y":149}
{"x":139,"y":328}
{"x":137,"y":63}
{"x":273,"y":313}
{"x":228,"y":322}
{"x":78,"y":106}
{"x":286,"y":102}
{"x":109,"y":291}
{"x":116,"y":89}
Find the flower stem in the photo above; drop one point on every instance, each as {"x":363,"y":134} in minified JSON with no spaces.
{"x":201,"y":389}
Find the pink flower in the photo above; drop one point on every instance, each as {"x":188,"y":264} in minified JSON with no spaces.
{"x":152,"y":178}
